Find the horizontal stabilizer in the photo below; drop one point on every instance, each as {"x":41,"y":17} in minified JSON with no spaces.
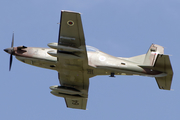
{"x":164,"y":82}
{"x":163,"y":64}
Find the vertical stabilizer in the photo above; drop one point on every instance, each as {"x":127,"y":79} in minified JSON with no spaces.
{"x":152,"y":54}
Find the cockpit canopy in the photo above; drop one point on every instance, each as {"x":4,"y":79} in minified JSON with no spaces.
{"x":91,"y":49}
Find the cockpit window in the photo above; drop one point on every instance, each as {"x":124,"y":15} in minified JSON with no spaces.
{"x":92,"y":49}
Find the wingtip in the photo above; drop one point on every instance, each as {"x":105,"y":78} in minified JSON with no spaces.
{"x":70,"y":11}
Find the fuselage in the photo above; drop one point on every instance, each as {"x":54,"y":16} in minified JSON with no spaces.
{"x":99,"y":62}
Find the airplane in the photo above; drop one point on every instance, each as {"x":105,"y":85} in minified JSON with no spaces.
{"x":76,"y":62}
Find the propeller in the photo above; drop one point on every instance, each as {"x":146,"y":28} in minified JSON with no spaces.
{"x":11,"y":52}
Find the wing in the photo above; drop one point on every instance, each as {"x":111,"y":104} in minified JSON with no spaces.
{"x":71,"y":30}
{"x":72,"y":65}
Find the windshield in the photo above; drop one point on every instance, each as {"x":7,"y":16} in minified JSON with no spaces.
{"x":90,"y":48}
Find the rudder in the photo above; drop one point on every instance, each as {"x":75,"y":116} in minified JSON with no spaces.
{"x":152,"y":54}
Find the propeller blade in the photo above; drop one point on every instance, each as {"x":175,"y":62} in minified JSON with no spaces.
{"x":10,"y":63}
{"x":12,"y":43}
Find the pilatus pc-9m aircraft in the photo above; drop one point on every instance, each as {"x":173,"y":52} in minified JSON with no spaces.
{"x":76,"y":62}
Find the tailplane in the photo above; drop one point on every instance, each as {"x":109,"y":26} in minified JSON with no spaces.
{"x":163,"y":64}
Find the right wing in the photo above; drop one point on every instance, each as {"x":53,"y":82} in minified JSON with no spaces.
{"x":71,"y":30}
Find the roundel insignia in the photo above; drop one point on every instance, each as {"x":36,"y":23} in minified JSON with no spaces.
{"x":70,"y":23}
{"x":102,"y":58}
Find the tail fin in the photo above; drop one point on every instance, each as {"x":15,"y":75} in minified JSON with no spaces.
{"x":149,"y":58}
{"x":163,"y":64}
{"x":152,"y":53}
{"x":156,"y":59}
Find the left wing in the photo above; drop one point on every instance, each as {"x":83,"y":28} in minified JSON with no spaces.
{"x":78,"y":103}
{"x":72,"y":59}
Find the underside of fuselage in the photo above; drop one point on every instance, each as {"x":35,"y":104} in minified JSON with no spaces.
{"x":99,"y":63}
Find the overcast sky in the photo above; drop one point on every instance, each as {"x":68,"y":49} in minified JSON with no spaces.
{"x":122,"y":28}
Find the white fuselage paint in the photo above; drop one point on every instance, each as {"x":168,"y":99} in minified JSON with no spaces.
{"x":100,"y":62}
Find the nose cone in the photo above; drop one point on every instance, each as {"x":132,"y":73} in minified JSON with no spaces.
{"x":8,"y":50}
